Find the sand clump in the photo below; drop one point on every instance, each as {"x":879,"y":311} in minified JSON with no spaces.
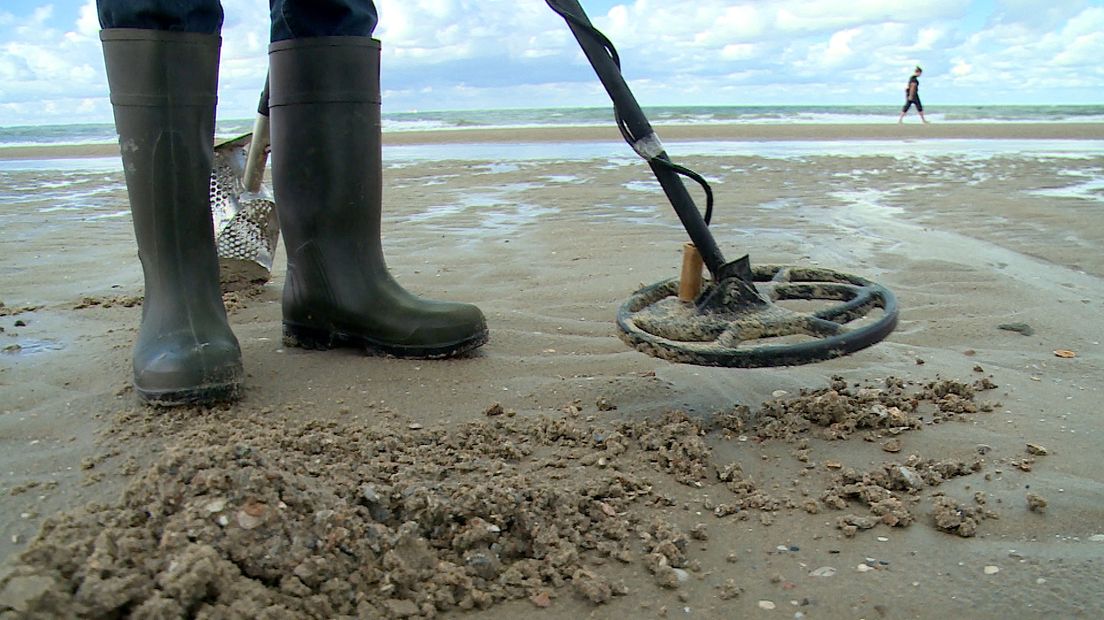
{"x":958,"y":518}
{"x":842,"y":410}
{"x":288,"y":519}
{"x":275,"y":518}
{"x":6,"y":310}
{"x":889,"y":491}
{"x":234,"y":298}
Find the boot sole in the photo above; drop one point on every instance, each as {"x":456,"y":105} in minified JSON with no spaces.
{"x":206,"y":395}
{"x":323,"y":340}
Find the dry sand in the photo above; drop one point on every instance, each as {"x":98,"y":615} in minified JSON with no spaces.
{"x":558,"y":473}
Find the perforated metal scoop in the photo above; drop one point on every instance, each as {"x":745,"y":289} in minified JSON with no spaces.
{"x":246,"y":228}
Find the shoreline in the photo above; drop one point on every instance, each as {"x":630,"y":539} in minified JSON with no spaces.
{"x":812,"y":132}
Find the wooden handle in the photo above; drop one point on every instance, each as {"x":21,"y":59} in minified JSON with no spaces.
{"x":690,"y":282}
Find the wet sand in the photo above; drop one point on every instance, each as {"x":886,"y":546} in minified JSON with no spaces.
{"x":548,"y":249}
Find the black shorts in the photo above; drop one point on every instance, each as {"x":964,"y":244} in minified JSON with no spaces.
{"x":910,"y":102}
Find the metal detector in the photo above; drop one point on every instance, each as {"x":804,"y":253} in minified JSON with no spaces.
{"x":736,"y":319}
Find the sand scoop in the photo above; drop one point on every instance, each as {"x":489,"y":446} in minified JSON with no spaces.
{"x":744,"y":316}
{"x":242,"y":209}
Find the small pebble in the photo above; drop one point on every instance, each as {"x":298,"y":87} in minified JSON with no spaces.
{"x":992,"y":570}
{"x":864,"y":568}
{"x":766,"y":605}
{"x":1036,"y":449}
{"x":823,"y":571}
{"x":541,"y":599}
{"x":1022,"y":328}
{"x":248,"y":521}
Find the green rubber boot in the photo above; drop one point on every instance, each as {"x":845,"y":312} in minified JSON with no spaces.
{"x":327,"y":169}
{"x":163,"y":87}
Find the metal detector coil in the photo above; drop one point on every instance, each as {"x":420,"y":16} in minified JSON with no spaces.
{"x":750,"y":329}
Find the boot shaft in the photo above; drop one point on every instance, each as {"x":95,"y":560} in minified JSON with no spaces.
{"x":162,"y":83}
{"x":156,"y":68}
{"x":326,"y":152}
{"x":163,"y":93}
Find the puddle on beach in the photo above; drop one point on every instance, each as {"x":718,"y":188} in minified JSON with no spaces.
{"x":568,"y":179}
{"x":68,"y":195}
{"x":496,"y":168}
{"x":873,"y":202}
{"x":642,"y":186}
{"x":499,"y":209}
{"x":636,"y":214}
{"x":32,"y":347}
{"x":1089,"y":187}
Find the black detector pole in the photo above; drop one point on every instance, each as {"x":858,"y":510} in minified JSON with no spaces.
{"x":639,"y":134}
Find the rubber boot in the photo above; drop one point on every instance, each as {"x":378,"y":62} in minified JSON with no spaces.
{"x":327,"y":178}
{"x":163,"y":87}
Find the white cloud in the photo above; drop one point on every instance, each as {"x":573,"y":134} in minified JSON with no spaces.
{"x":1019,"y":56}
{"x":839,"y":47}
{"x":44,"y":72}
{"x":961,"y":68}
{"x":88,"y":22}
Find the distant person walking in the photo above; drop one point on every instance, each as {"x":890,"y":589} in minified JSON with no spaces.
{"x":912,"y":96}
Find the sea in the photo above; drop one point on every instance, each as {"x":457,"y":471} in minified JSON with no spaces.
{"x":104,"y":133}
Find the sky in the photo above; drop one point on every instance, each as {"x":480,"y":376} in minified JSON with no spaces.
{"x":463,"y":54}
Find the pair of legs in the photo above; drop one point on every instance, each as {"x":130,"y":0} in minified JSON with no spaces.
{"x":162,"y":65}
{"x":909,"y":104}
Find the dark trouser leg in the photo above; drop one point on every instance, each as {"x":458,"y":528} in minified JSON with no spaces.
{"x":294,"y":19}
{"x":199,"y":16}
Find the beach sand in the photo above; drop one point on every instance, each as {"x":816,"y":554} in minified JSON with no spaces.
{"x":547,"y":474}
